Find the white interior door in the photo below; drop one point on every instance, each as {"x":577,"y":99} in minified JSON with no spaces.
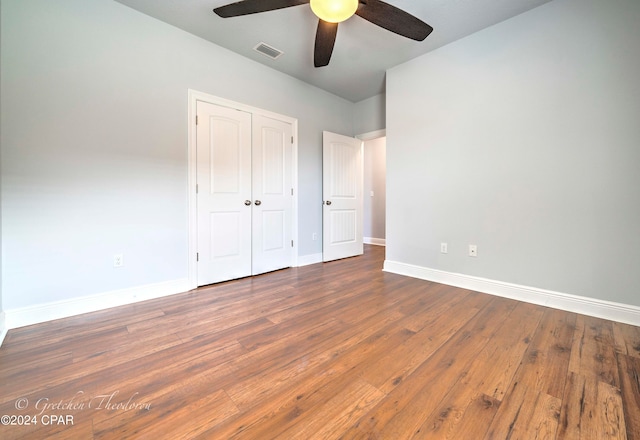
{"x":272,"y":194}
{"x":223,"y":155}
{"x":342,"y":196}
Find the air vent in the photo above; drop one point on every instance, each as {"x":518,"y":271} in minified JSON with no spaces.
{"x":269,"y":51}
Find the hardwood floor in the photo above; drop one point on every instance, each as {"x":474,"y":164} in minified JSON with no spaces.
{"x":339,"y":350}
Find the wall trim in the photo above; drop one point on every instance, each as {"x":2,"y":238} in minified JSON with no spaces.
{"x":598,"y":308}
{"x":306,"y":260}
{"x":38,"y":313}
{"x":375,"y":241}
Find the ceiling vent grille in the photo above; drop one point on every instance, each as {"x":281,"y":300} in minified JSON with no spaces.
{"x":269,"y":51}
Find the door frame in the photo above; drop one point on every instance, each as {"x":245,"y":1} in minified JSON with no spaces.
{"x":330,"y":253}
{"x":372,"y":135}
{"x":364,"y":137}
{"x":193,"y":97}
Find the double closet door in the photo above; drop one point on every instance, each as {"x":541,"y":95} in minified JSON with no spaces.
{"x":244,"y":193}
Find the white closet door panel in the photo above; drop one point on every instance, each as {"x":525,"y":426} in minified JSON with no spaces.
{"x":274,"y":222}
{"x":226,"y":235}
{"x":224,"y":184}
{"x":272,"y":187}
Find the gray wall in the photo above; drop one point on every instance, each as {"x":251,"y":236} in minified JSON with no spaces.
{"x":524,"y":140}
{"x":2,"y":324}
{"x":94,"y":144}
{"x":369,"y":115}
{"x":375,"y":180}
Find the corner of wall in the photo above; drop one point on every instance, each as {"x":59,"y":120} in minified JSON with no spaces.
{"x":370,"y":114}
{"x":3,"y":328}
{"x":306,"y":260}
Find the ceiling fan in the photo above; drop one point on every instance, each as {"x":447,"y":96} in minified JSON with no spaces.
{"x":332,"y":12}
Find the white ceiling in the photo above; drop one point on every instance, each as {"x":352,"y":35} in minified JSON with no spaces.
{"x":363,"y":51}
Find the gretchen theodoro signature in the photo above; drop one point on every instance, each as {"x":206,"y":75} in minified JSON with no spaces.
{"x":80,"y":401}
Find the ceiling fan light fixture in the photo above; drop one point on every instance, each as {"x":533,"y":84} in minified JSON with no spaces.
{"x":334,"y":11}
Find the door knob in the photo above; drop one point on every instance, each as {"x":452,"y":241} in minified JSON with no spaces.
{"x":258,"y":202}
{"x":328,"y":202}
{"x":247,"y":202}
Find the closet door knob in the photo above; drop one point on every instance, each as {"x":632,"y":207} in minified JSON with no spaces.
{"x":328,"y":202}
{"x":258,"y":202}
{"x":247,"y":202}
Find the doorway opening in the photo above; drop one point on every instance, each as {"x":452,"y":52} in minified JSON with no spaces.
{"x":374,"y":185}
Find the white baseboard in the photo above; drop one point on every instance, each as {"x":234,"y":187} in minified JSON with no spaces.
{"x":625,"y":313}
{"x":376,"y":241}
{"x":3,"y":328}
{"x":35,"y":314}
{"x":306,"y":260}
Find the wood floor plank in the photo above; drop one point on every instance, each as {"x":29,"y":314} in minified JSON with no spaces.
{"x":528,"y":414}
{"x":468,"y":420}
{"x":591,"y":409}
{"x":533,"y":401}
{"x":338,"y":350}
{"x":466,"y":403}
{"x":550,"y":351}
{"x":610,"y":413}
{"x":326,"y":375}
{"x":401,"y":361}
{"x":443,"y":304}
{"x":254,"y":387}
{"x":413,"y":399}
{"x":593,"y":350}
{"x":630,"y":391}
{"x":507,"y":350}
{"x":12,"y":385}
{"x":180,"y":418}
{"x":343,"y":410}
{"x":627,"y":339}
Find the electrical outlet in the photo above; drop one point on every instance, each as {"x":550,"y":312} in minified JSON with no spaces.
{"x":371,"y":193}
{"x":118,"y":260}
{"x":444,"y":248}
{"x":473,"y":250}
{"x":314,"y":236}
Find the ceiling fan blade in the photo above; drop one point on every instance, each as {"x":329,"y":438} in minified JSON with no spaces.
{"x":246,"y":7}
{"x":325,"y":39}
{"x":393,"y":19}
